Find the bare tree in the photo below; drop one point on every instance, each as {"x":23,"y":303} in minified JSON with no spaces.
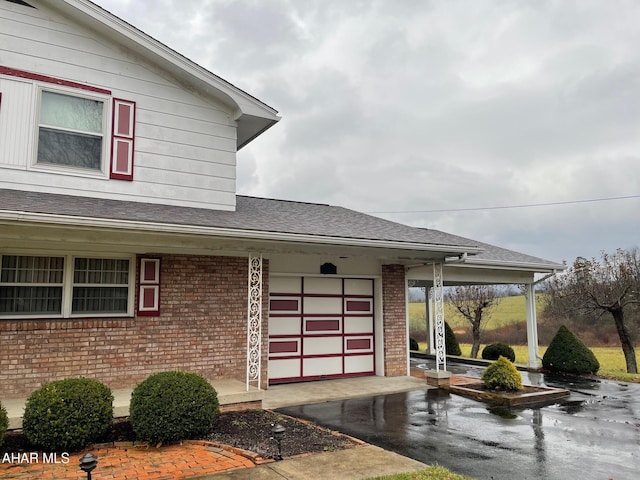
{"x":610,"y":285}
{"x":475,"y":303}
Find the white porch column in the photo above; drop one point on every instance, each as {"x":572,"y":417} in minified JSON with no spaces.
{"x":532,"y":326}
{"x":254,"y":321}
{"x":429,"y":301}
{"x":438,"y":307}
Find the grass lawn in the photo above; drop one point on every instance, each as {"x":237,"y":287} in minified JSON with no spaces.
{"x":612,"y":364}
{"x":510,"y":310}
{"x":434,"y":472}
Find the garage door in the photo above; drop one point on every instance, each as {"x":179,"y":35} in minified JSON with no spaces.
{"x":320,"y":328}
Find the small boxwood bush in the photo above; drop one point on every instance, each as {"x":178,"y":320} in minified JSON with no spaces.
{"x":172,"y":406}
{"x":451,"y":341}
{"x":494,"y":351}
{"x":4,"y":422}
{"x":502,"y":375}
{"x":66,"y":415}
{"x":568,"y":354}
{"x":413,"y":344}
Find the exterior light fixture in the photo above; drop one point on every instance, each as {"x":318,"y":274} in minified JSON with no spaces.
{"x":87,"y":463}
{"x":278,"y":434}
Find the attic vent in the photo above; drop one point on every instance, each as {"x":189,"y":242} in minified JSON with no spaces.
{"x":20,"y":2}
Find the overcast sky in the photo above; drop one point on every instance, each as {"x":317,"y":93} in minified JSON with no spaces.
{"x":414,"y":107}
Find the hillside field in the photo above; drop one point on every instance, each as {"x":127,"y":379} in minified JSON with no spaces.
{"x":510,"y":311}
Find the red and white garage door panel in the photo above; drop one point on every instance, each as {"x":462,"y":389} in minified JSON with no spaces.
{"x":320,"y":328}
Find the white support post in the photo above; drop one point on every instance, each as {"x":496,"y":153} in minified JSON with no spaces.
{"x":429,"y":299}
{"x":254,"y":321}
{"x":532,"y":326}
{"x":438,"y":307}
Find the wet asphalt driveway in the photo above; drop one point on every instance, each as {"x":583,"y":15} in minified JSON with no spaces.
{"x":594,"y":434}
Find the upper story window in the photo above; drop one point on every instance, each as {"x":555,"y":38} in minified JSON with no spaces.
{"x":79,"y":129}
{"x":71,"y":131}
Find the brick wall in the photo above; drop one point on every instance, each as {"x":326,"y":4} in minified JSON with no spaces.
{"x":394,"y":321}
{"x":201,"y":328}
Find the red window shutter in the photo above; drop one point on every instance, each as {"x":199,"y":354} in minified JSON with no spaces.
{"x":123,"y":131}
{"x":149,"y":293}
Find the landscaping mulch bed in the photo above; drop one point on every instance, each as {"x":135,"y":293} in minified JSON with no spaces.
{"x":249,"y":430}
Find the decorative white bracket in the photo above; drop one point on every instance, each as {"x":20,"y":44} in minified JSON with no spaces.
{"x":438,"y":307}
{"x":254,"y":321}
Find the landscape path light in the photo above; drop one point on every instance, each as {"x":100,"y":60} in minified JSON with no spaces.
{"x":87,"y":463}
{"x":278,"y":434}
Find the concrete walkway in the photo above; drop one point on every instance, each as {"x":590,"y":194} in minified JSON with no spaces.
{"x":353,"y":464}
{"x":279,"y":396}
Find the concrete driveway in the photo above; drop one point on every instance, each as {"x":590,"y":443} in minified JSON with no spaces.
{"x":594,"y":434}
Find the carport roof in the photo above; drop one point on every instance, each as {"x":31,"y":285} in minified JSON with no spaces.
{"x":252,"y":216}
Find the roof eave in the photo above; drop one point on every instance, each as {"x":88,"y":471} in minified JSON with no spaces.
{"x":511,"y":265}
{"x":223,"y":232}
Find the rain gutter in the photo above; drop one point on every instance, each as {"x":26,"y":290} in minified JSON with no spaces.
{"x":223,"y":232}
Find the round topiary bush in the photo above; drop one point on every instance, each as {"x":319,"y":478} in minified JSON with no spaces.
{"x":171,"y":406}
{"x":568,"y":354}
{"x":494,"y":351}
{"x":413,"y":344}
{"x":67,"y":415}
{"x":4,"y":422}
{"x":451,"y":341}
{"x":502,"y":375}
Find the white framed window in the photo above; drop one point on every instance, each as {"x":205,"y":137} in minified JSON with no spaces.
{"x":31,"y":285}
{"x":100,"y":285}
{"x":66,"y":286}
{"x":72,"y":131}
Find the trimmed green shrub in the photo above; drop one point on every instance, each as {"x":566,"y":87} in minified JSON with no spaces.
{"x":502,"y":375}
{"x":413,"y":344}
{"x":4,"y":422}
{"x":568,"y":354}
{"x":67,"y":415}
{"x":451,"y":341}
{"x":494,"y":351}
{"x":172,"y":406}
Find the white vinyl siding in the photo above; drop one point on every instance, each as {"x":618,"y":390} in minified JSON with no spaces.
{"x":17,"y":115}
{"x":185,"y":145}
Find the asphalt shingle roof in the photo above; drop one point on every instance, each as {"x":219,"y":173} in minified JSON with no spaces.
{"x":253,"y":214}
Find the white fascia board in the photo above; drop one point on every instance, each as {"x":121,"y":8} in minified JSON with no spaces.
{"x":83,"y":222}
{"x":235,"y":97}
{"x":510,"y":265}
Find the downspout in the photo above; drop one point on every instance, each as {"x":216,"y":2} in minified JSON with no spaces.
{"x":462,"y":258}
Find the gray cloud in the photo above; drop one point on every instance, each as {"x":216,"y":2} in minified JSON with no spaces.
{"x":415,"y":105}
